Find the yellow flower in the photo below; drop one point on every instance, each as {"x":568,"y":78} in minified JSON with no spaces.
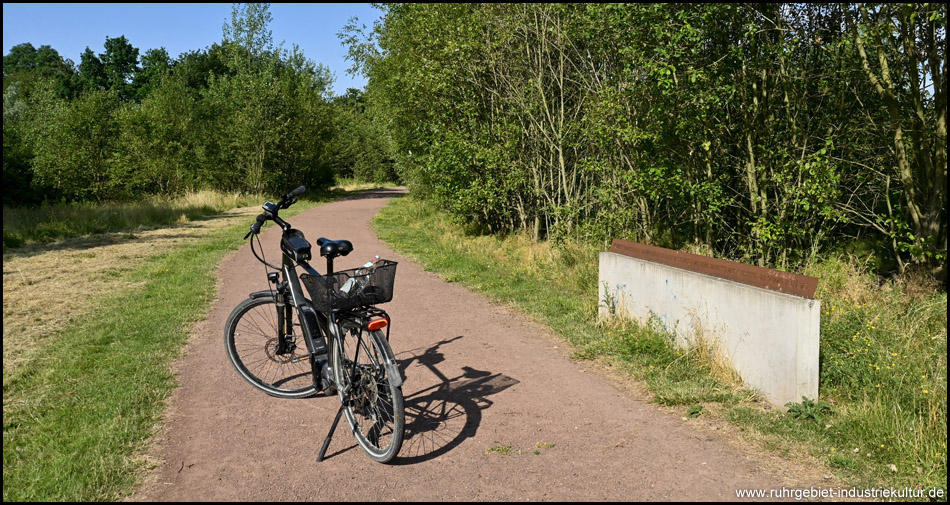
{"x":925,"y":391}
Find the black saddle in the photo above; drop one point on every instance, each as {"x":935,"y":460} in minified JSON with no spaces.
{"x":333,"y":248}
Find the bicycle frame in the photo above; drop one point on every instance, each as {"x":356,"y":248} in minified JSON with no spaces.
{"x":316,"y":330}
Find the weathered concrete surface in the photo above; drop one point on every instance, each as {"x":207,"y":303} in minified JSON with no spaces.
{"x":770,"y":338}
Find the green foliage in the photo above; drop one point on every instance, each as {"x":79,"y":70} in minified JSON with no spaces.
{"x":363,"y":145}
{"x":891,"y":413}
{"x":26,"y":66}
{"x":751,"y":132}
{"x":240,"y":115}
{"x":73,"y":143}
{"x":119,"y":65}
{"x":694,"y":411}
{"x":91,"y":71}
{"x":53,"y":223}
{"x":809,"y":410}
{"x":77,"y":424}
{"x":156,"y":64}
{"x":247,"y":33}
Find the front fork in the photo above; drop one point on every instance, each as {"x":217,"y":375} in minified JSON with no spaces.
{"x":286,"y":343}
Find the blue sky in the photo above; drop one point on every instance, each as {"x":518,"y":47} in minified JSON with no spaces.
{"x":179,"y":28}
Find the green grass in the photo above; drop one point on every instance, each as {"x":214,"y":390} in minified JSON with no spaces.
{"x":77,"y":418}
{"x":504,"y":450}
{"x":50,"y":223}
{"x":883,"y":350}
{"x":559,"y":288}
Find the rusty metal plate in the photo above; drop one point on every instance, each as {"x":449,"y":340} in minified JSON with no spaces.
{"x":766,"y":278}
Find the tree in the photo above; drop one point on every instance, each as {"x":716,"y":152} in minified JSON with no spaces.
{"x":155,"y":65}
{"x":197,"y":68}
{"x":765,"y":133}
{"x":91,"y":71}
{"x":901,"y":48}
{"x":73,"y":144}
{"x":119,"y":65}
{"x":25,"y":65}
{"x":362,"y":148}
{"x":248,"y":31}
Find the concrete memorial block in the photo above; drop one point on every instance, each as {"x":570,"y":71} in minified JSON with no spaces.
{"x":764,"y":322}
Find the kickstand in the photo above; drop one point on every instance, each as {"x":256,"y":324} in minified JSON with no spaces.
{"x":326,"y":443}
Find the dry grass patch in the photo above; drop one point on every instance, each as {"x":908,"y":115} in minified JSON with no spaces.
{"x":47,"y":286}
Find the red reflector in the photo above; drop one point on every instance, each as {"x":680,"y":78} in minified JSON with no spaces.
{"x":377,"y":324}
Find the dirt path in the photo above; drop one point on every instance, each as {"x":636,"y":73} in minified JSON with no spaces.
{"x":479,"y":378}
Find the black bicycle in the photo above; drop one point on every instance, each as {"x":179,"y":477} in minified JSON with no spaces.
{"x":291,"y":346}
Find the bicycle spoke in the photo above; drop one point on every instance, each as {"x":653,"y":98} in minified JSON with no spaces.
{"x":252,"y":341}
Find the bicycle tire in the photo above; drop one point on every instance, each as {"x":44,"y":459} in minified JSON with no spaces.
{"x":373,"y":404}
{"x":250,"y":338}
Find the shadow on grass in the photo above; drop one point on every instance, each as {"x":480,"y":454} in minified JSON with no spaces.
{"x":109,"y":238}
{"x":116,"y":228}
{"x":376,"y":193}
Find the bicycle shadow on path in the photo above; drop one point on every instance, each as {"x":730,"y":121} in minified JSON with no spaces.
{"x":442,"y":416}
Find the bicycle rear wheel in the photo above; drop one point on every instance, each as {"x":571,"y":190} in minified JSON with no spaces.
{"x":372,"y":400}
{"x":251,"y":337}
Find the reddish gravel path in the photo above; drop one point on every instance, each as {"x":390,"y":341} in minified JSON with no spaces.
{"x":477,"y":376}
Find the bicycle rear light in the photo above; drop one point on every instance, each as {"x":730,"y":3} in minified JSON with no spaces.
{"x":377,"y":324}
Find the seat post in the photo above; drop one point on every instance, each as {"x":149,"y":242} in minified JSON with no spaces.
{"x":329,"y":265}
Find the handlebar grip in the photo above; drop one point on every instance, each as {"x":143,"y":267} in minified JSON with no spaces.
{"x":297,"y":191}
{"x":256,"y":227}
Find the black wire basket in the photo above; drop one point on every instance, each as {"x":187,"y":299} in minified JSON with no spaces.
{"x":348,"y":289}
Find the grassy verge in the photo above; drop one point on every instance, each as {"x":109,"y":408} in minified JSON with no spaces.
{"x":78,"y":414}
{"x":881,"y":418}
{"x":50,"y":223}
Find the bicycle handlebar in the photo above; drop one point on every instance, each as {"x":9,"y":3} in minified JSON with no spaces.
{"x":286,"y":200}
{"x":297,"y":191}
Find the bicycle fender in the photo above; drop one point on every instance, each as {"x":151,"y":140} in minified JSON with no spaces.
{"x":392,"y":371}
{"x":262,"y":294}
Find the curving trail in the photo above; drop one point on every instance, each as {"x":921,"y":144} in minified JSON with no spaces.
{"x":479,"y":378}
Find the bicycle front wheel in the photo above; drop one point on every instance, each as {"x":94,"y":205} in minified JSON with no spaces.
{"x":372,"y":402}
{"x":251,"y":337}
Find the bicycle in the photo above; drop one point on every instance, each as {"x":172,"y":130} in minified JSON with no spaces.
{"x":344,"y":348}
